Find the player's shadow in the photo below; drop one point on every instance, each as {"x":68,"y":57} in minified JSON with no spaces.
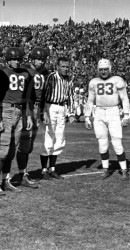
{"x":61,"y":168}
{"x":65,"y":168}
{"x":113,"y":165}
{"x":70,"y":167}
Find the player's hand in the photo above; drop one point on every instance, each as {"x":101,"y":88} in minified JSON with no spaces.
{"x":29,"y":123}
{"x":72,"y":118}
{"x":125,"y":121}
{"x":2,"y":129}
{"x":45,"y":118}
{"x":88,"y":123}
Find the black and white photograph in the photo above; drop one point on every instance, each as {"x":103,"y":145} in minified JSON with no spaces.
{"x":64,"y":125}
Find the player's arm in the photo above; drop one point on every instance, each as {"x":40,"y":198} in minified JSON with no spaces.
{"x":43,"y":112}
{"x":1,"y":119}
{"x":43,"y":96}
{"x":1,"y":111}
{"x":5,"y":86}
{"x":122,"y":91}
{"x":28,"y":101}
{"x":89,"y":105}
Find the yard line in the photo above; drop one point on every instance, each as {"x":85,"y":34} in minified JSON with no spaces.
{"x":80,"y":142}
{"x":90,"y":173}
{"x":127,"y":151}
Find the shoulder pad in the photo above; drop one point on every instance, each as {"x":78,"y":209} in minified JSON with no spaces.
{"x":31,"y":71}
{"x":120,"y":83}
{"x":5,"y":69}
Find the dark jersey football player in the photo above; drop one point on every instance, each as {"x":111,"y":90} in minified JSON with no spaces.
{"x":38,"y":71}
{"x":16,"y":116}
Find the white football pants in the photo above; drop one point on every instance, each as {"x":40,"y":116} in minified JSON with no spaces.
{"x":107,"y":121}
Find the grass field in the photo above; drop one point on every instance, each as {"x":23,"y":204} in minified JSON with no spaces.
{"x":81,"y":212}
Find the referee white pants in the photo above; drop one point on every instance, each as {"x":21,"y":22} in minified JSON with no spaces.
{"x":53,"y":137}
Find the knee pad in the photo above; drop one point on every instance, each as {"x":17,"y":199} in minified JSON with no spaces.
{"x":7,"y":151}
{"x":117,"y":145}
{"x":103,"y":145}
{"x":4,"y":151}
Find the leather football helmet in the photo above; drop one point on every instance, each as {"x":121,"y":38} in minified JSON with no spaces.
{"x":14,"y":53}
{"x":38,"y":53}
{"x":104,"y":63}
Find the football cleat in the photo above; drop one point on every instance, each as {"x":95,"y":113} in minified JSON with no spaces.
{"x":54,"y":175}
{"x":7,"y":186}
{"x":46,"y":176}
{"x":106,"y":174}
{"x":125,"y":175}
{"x":28,"y":183}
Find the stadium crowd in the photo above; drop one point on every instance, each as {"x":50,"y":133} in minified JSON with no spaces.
{"x":84,"y":43}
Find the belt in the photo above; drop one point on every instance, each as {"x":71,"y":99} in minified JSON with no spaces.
{"x":105,"y":107}
{"x":16,"y":105}
{"x":57,"y":103}
{"x":37,"y":104}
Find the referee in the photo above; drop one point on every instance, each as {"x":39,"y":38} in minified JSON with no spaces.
{"x":58,"y":92}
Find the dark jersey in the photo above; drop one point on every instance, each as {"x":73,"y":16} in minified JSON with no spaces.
{"x":4,"y":82}
{"x":44,"y":72}
{"x":37,"y":81}
{"x":18,"y":86}
{"x":4,"y":87}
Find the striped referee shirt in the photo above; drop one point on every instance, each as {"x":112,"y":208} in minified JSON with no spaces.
{"x":58,"y":89}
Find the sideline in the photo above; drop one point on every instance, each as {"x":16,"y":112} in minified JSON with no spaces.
{"x":73,"y":175}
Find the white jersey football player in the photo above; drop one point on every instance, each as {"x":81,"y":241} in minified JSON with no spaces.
{"x":108,"y":92}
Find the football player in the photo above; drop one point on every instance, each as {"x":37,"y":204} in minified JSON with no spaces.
{"x":39,"y":73}
{"x":16,"y":117}
{"x":107,"y":91}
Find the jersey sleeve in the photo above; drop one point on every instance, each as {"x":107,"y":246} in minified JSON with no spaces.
{"x":120,"y":83}
{"x":4,"y":81}
{"x":4,"y":88}
{"x":121,"y":88}
{"x":29,"y":95}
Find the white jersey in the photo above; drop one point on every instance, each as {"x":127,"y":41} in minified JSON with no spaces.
{"x":107,"y":93}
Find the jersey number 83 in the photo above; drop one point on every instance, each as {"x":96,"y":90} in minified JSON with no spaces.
{"x":17,"y":82}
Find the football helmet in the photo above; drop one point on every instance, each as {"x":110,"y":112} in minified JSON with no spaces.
{"x":38,"y":53}
{"x":104,"y":63}
{"x":81,"y":91}
{"x":14,"y":53}
{"x":76,"y":89}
